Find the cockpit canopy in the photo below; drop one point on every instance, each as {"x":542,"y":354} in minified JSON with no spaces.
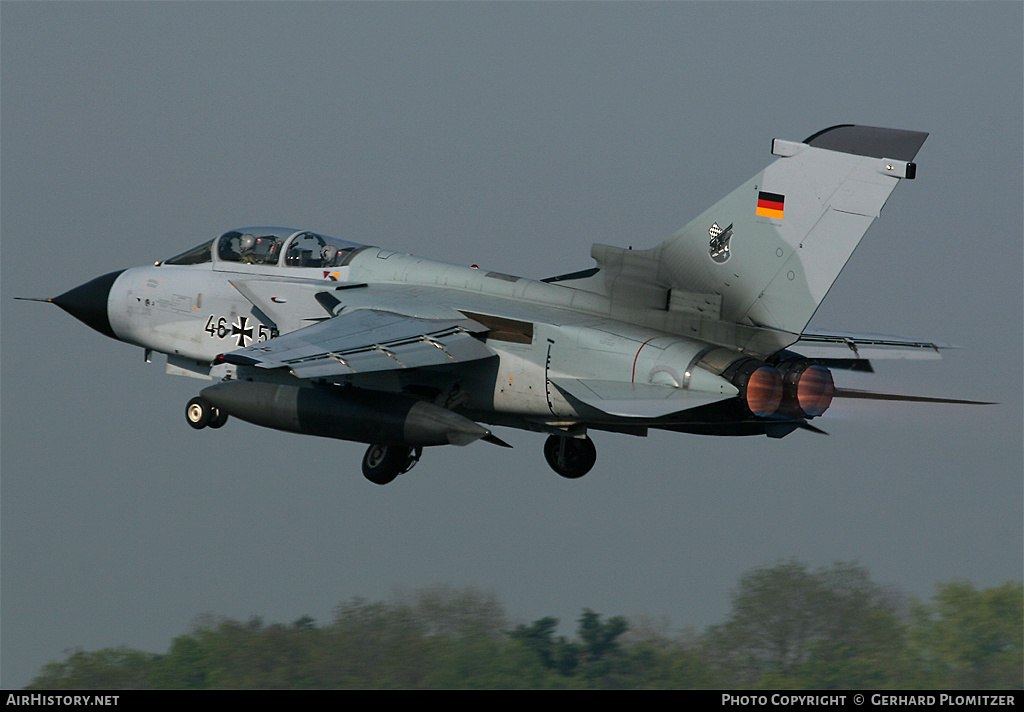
{"x":274,"y":246}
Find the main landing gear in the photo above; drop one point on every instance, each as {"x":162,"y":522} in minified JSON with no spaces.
{"x":383,"y":463}
{"x":200,"y":414}
{"x":570,"y":457}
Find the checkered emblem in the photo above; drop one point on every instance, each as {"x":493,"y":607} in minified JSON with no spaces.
{"x":718,"y":247}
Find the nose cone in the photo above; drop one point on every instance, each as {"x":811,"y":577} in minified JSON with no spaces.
{"x":88,"y":303}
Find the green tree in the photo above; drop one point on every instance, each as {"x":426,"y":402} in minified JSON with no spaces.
{"x":971,"y":639}
{"x":660,"y":658}
{"x":791,"y":627}
{"x":449,"y":611}
{"x":380,"y":645}
{"x":184,"y":667}
{"x":554,"y":653}
{"x":788,"y":627}
{"x":602,"y":661}
{"x":111,"y":669}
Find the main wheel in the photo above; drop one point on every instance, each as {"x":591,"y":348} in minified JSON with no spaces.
{"x":383,"y":463}
{"x":570,"y":457}
{"x":217,"y":418}
{"x":198,"y":412}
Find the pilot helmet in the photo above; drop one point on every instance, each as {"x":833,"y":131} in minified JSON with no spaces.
{"x":245,"y":243}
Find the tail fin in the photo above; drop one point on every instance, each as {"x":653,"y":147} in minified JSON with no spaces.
{"x":772,"y":248}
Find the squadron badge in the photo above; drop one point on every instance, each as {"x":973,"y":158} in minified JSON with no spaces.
{"x":718,"y":247}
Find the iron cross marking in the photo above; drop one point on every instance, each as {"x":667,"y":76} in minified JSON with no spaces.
{"x":241,"y":332}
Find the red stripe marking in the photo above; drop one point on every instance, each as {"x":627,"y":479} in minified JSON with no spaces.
{"x":632,"y":379}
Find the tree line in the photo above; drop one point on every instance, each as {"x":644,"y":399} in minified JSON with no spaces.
{"x":789,"y":627}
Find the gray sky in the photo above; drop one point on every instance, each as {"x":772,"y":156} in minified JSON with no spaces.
{"x":512,"y":136}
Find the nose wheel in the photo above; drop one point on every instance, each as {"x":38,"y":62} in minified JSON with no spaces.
{"x":570,"y":457}
{"x":200,"y":414}
{"x":383,"y":463}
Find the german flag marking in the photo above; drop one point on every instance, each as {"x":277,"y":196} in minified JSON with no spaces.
{"x":770,"y":205}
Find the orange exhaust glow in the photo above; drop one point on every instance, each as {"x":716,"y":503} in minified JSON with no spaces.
{"x":808,"y":389}
{"x":763,"y":391}
{"x":814,"y":390}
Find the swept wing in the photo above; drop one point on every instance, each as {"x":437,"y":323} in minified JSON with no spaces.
{"x":367,"y":340}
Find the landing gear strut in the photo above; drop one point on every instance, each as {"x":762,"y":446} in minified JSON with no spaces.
{"x":200,"y":414}
{"x":570,"y":457}
{"x":383,"y":463}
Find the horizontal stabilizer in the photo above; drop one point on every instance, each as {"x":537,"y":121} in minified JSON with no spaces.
{"x":861,"y":365}
{"x":635,"y":400}
{"x":817,"y":344}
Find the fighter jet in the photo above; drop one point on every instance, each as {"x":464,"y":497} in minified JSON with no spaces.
{"x":703,"y":333}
